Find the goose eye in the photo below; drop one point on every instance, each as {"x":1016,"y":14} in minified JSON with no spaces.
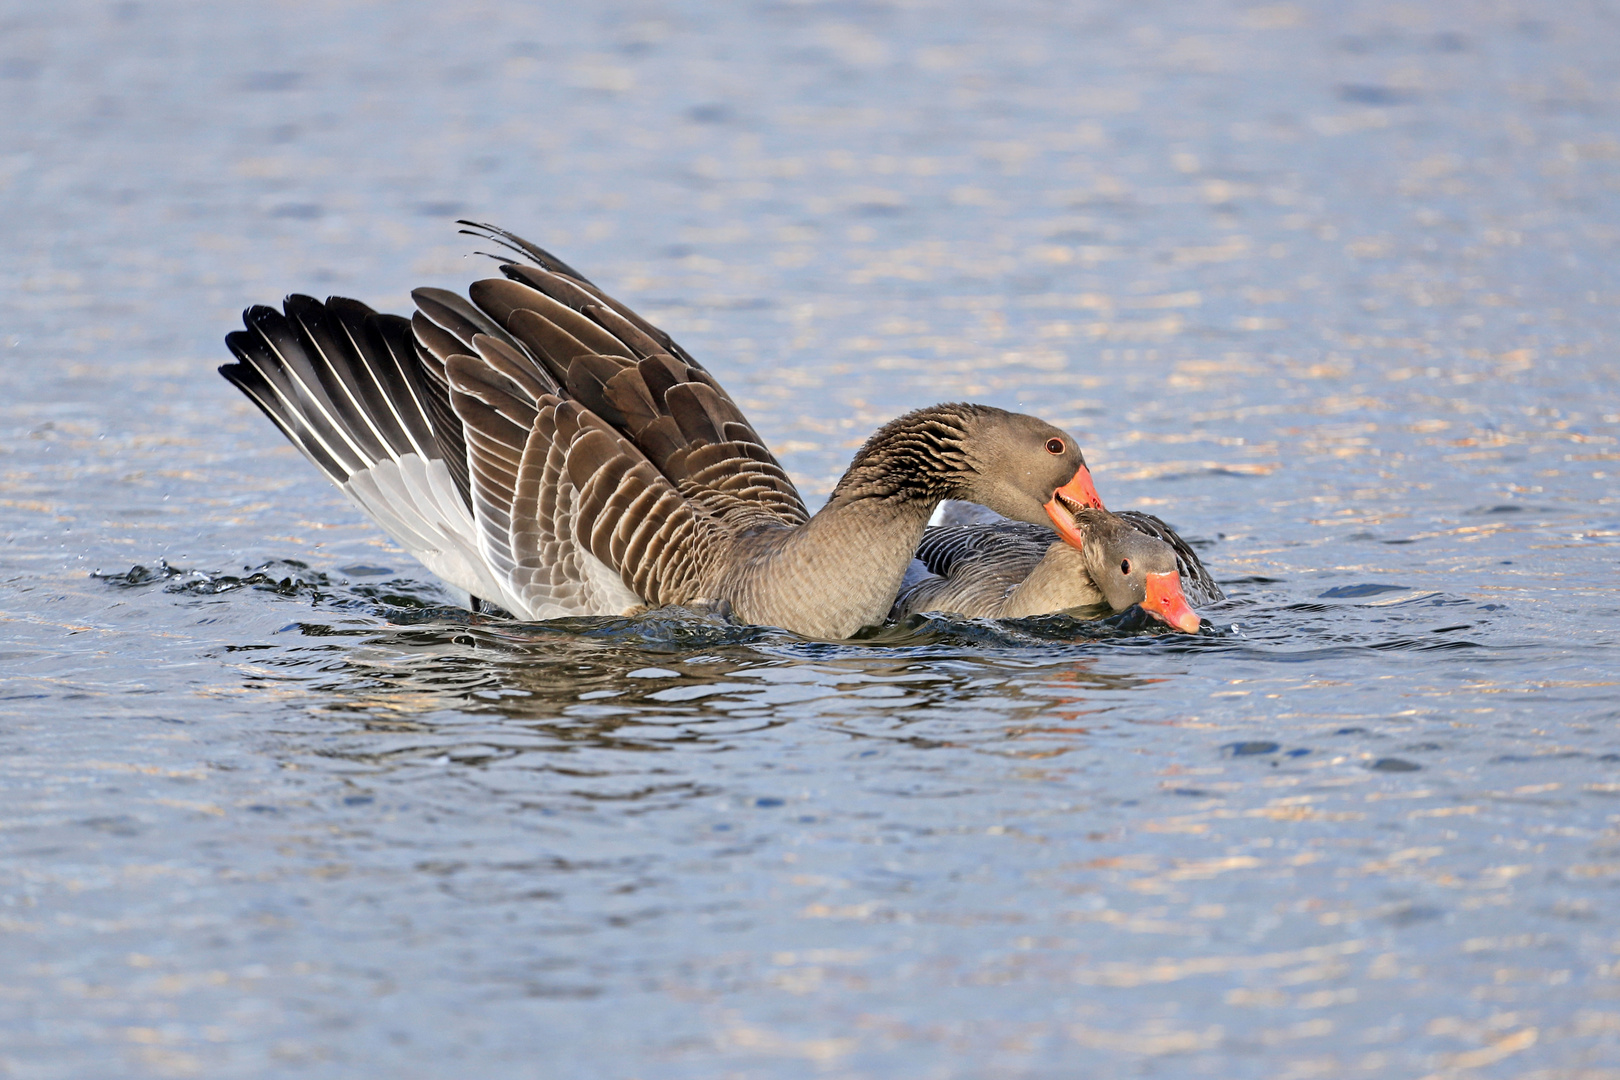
{"x":1125,"y":567}
{"x":1054,"y":446}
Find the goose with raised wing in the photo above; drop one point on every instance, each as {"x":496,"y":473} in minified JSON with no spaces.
{"x":977,"y":563}
{"x":540,"y":446}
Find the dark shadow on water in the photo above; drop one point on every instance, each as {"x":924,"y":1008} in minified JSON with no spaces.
{"x":393,"y":656}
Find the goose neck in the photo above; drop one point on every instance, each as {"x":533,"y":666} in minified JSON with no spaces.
{"x":839,"y":571}
{"x":919,"y":457}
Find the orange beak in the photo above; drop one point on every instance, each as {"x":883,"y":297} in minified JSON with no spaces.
{"x":1078,"y":492}
{"x":1165,"y":601}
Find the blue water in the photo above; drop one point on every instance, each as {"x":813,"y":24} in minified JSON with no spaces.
{"x":1331,"y":287}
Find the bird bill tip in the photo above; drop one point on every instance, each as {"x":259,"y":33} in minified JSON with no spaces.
{"x":1166,"y":602}
{"x":1079,"y":492}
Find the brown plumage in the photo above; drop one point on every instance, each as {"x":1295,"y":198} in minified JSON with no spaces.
{"x":538,"y":444}
{"x":979,"y":565}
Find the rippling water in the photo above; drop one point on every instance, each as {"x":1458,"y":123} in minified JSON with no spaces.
{"x":1332,"y":288}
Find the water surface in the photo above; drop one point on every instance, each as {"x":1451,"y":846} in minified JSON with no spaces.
{"x":1331,"y":287}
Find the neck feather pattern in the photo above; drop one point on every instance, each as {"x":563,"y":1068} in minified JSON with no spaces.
{"x":920,"y":456}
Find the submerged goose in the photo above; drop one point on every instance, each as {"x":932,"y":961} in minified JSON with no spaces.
{"x":539,"y":445}
{"x":980,"y":565}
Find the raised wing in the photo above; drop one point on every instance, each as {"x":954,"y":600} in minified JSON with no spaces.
{"x":347,"y":387}
{"x":538,"y":444}
{"x":572,"y":514}
{"x":634,"y":377}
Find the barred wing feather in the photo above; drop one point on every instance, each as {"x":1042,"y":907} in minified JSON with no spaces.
{"x":535,"y":442}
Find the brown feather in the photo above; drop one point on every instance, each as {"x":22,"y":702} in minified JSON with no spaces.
{"x":456,"y":315}
{"x":692,"y":406}
{"x":637,"y":339}
{"x":661,"y":440}
{"x":587,"y":384}
{"x":661,"y":372}
{"x":499,"y":298}
{"x":559,"y":288}
{"x":471,"y":376}
{"x":438,"y":342}
{"x":517,"y":367}
{"x":627,"y":393}
{"x":549,"y":343}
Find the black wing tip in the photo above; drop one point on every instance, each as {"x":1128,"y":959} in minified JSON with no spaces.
{"x":245,"y":346}
{"x":347,"y":305}
{"x":483,"y":230}
{"x":504,"y":259}
{"x":296,"y":303}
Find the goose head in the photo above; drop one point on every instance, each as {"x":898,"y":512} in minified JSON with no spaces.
{"x":1131,"y":567}
{"x":1019,"y":466}
{"x":1026,"y":469}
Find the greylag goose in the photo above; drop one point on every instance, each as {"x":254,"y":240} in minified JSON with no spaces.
{"x":540,"y":446}
{"x":981,"y":566}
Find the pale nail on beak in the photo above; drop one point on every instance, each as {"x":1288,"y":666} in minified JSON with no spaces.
{"x":1165,"y":601}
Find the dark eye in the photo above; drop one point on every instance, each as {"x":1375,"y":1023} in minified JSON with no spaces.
{"x":1054,"y":446}
{"x":1125,"y":567}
